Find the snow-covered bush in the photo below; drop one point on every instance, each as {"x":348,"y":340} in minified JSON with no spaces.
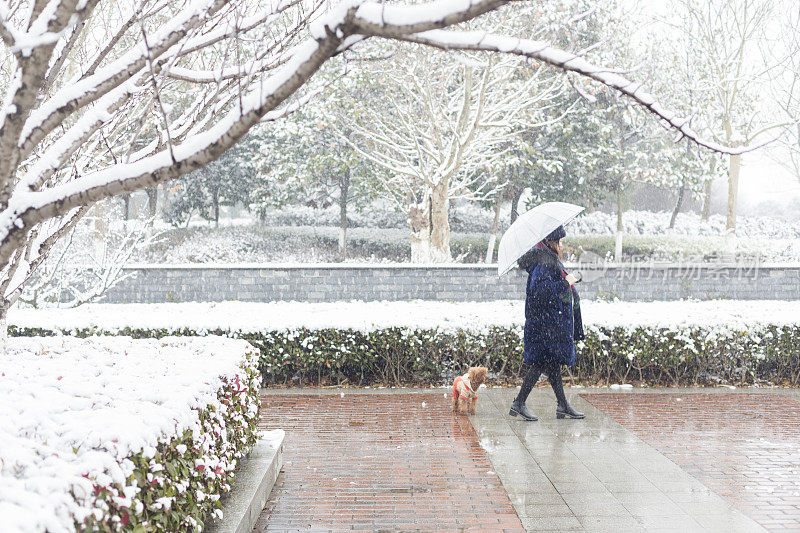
{"x":470,"y":217}
{"x":644,"y":248}
{"x":301,"y":215}
{"x":110,"y":433}
{"x":311,"y":236}
{"x":379,"y":213}
{"x":669,"y":356}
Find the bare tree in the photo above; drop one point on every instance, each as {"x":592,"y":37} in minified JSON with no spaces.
{"x":787,"y":94}
{"x":729,"y":44}
{"x":445,"y":125}
{"x":103,"y":98}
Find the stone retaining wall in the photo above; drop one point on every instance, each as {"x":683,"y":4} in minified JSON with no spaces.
{"x":335,"y":282}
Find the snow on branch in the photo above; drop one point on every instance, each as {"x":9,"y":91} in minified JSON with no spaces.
{"x":32,"y":64}
{"x":215,"y":76}
{"x":287,"y":110}
{"x":396,"y":21}
{"x":7,"y":31}
{"x":238,"y":27}
{"x":568,"y":62}
{"x":74,"y":96}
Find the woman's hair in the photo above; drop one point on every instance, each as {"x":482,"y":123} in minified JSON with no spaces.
{"x":555,"y":246}
{"x":528,"y":258}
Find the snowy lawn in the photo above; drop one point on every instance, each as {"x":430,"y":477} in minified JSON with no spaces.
{"x":318,"y":244}
{"x":365,"y":316}
{"x":109,"y":431}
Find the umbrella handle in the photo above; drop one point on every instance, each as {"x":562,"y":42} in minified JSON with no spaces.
{"x":578,"y":276}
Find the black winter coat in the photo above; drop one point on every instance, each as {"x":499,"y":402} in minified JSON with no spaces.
{"x":552,"y":311}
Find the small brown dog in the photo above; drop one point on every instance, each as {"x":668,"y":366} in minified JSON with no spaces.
{"x":465,"y":390}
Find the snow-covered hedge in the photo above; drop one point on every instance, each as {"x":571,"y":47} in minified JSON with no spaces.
{"x":110,"y":433}
{"x":687,"y":224}
{"x":377,"y":215}
{"x":649,"y":355}
{"x":357,"y":343}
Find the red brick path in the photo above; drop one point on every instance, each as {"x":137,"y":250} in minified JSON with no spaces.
{"x":380,"y":462}
{"x":745,"y":447}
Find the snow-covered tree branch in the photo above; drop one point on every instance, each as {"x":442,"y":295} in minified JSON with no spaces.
{"x":78,"y":271}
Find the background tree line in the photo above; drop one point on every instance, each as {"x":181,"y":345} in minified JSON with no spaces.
{"x":438,"y":128}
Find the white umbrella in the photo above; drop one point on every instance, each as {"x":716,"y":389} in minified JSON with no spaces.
{"x":530,"y":228}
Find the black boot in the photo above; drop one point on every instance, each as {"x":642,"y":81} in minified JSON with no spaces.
{"x":565,"y":410}
{"x":519,"y":408}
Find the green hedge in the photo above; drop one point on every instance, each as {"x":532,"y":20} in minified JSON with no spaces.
{"x":403,"y":356}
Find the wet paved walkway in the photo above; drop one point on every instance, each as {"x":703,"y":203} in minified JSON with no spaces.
{"x":744,"y":446}
{"x":400,"y":461}
{"x":380,"y":462}
{"x":593,"y":474}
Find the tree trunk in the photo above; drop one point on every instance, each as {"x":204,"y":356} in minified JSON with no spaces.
{"x":681,"y":194}
{"x":515,"y":203}
{"x":440,"y":224}
{"x":590,"y":206}
{"x":707,"y":187}
{"x":3,"y":326}
{"x":344,"y":187}
{"x":733,"y":199}
{"x":126,"y":206}
{"x":165,"y":194}
{"x":215,"y":200}
{"x":419,"y":224}
{"x":152,"y":202}
{"x":100,"y":230}
{"x":495,"y":226}
{"x":618,"y":238}
{"x":706,"y":213}
{"x":430,"y":227}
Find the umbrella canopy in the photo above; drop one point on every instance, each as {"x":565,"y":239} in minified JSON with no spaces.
{"x":530,"y":228}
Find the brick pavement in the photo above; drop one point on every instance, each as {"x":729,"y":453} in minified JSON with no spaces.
{"x":744,"y":446}
{"x":380,"y":462}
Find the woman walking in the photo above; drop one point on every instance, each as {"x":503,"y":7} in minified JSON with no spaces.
{"x":552,"y":323}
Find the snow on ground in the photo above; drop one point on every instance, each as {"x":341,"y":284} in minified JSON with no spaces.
{"x":302,"y":234}
{"x":275,"y":316}
{"x":72,"y":407}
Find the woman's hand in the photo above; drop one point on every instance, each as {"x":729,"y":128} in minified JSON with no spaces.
{"x":572,"y":280}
